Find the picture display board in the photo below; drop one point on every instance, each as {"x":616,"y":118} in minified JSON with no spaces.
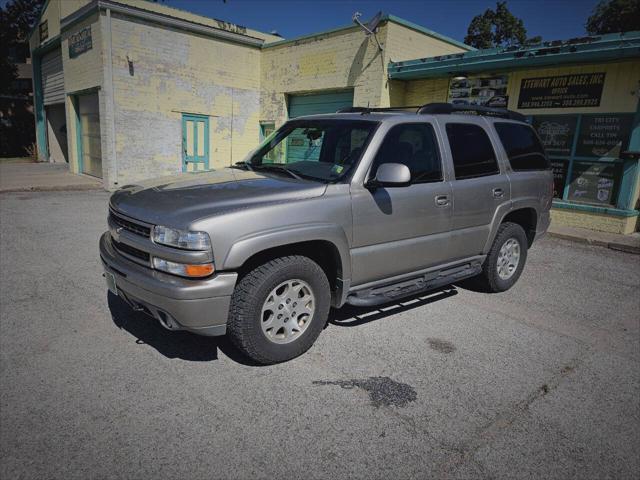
{"x":488,"y":91}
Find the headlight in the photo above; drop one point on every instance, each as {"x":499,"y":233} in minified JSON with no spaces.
{"x":181,"y":238}
{"x":183,"y":269}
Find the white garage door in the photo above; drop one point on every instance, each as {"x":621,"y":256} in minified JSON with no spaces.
{"x":52,"y":77}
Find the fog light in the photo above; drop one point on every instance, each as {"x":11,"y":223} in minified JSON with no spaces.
{"x":183,"y":269}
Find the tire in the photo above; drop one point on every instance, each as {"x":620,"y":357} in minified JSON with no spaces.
{"x":247,"y":321}
{"x":492,"y":278}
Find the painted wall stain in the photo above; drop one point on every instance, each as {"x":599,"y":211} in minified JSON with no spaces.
{"x":382,"y":391}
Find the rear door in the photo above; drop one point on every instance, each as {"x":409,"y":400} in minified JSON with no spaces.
{"x":480,"y":186}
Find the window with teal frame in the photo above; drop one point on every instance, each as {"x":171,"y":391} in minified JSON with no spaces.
{"x":585,"y":152}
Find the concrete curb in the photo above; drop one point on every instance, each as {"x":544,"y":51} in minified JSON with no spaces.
{"x":60,"y":188}
{"x":600,"y":243}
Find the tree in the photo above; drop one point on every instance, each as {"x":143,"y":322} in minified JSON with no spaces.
{"x":612,"y":16}
{"x":17,"y":18}
{"x":496,"y":28}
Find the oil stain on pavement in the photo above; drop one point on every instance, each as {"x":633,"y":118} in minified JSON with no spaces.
{"x":442,"y":346}
{"x":382,"y":390}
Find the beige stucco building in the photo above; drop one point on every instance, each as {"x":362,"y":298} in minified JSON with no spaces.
{"x":139,"y":90}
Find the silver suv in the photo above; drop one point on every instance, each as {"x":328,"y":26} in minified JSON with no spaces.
{"x":363,"y":207}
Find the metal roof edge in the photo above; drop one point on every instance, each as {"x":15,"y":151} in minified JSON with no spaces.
{"x":426,"y":31}
{"x":621,"y":45}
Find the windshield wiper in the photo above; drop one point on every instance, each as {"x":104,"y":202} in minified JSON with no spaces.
{"x":243,"y":166}
{"x":277,"y":168}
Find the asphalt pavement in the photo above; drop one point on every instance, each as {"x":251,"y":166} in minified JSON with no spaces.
{"x":542,"y":381}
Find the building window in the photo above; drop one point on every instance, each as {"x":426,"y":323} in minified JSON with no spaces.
{"x":44,"y":31}
{"x":471,"y":150}
{"x":585,"y":154}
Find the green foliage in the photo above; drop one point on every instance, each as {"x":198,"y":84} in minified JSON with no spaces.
{"x":17,"y":17}
{"x":612,"y":16}
{"x":496,"y":28}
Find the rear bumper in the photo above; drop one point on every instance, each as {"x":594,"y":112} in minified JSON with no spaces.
{"x":199,"y":306}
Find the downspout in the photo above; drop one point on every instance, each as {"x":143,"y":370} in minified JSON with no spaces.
{"x":111,"y":91}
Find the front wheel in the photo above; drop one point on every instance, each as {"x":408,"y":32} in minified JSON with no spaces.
{"x":505,"y":261}
{"x":279,"y":309}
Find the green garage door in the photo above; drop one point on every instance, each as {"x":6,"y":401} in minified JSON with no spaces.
{"x":319,"y":103}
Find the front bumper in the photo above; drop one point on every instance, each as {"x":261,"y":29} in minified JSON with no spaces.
{"x":199,"y":306}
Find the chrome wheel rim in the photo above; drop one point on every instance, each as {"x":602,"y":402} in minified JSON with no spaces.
{"x":508,"y":258}
{"x":287,"y":311}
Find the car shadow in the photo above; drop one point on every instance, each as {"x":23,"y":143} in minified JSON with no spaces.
{"x":350,"y":316}
{"x":196,"y":348}
{"x":180,"y":345}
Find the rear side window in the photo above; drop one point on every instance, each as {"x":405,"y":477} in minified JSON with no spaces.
{"x":414,"y":145}
{"x":472,"y":152}
{"x":522,"y":146}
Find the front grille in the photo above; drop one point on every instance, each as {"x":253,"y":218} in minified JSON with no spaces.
{"x":132,"y":251}
{"x":130,"y":226}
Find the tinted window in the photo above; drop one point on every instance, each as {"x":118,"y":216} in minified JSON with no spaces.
{"x":473,"y":155}
{"x":413,"y":145}
{"x":522,"y":146}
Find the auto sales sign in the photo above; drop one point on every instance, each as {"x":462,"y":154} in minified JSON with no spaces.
{"x":562,"y":91}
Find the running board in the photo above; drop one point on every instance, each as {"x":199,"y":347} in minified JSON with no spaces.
{"x":429,"y":281}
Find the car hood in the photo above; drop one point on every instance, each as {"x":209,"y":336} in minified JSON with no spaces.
{"x":180,"y":200}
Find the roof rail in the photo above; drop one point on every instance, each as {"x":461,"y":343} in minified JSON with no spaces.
{"x":448,"y":108}
{"x":377,"y":109}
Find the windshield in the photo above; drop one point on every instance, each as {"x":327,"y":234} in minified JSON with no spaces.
{"x":322,"y":150}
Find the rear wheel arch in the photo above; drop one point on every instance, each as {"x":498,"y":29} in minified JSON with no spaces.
{"x":527,"y":218}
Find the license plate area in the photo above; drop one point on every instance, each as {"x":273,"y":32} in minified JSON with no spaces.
{"x":110,"y":278}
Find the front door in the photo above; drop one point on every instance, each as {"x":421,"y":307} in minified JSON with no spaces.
{"x":399,"y":230}
{"x":195,"y":143}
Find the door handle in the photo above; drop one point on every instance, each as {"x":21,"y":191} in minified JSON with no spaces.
{"x":442,"y":200}
{"x":498,"y":193}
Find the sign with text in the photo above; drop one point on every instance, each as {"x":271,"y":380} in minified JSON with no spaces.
{"x":556,"y":133}
{"x":604,"y":135}
{"x":559,"y":168}
{"x":563,"y":91}
{"x":594,"y":182}
{"x":80,"y":42}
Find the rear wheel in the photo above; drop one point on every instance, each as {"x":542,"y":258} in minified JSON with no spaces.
{"x":505,"y":261}
{"x":279,"y":309}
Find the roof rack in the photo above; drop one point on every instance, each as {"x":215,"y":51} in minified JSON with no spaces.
{"x":377,"y":109}
{"x":443,"y":109}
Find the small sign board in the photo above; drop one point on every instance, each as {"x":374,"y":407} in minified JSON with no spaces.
{"x":604,"y":135}
{"x":594,"y":182}
{"x":562,"y":91}
{"x":556,"y":132}
{"x":559,"y":168}
{"x":80,"y":42}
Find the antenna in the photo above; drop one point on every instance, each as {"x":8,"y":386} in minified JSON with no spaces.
{"x":371,"y":26}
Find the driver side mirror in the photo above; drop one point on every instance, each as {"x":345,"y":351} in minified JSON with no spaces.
{"x":391,"y":175}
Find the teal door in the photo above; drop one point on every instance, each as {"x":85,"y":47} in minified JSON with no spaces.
{"x":319,"y":103}
{"x":195,"y":143}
